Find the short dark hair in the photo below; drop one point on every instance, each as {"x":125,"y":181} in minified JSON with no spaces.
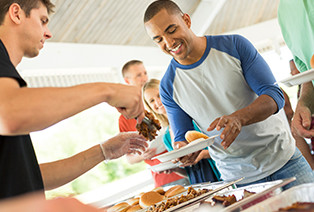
{"x":156,"y":6}
{"x":127,"y":65}
{"x":26,"y":5}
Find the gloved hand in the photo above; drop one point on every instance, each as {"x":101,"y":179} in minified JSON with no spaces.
{"x":123,"y":143}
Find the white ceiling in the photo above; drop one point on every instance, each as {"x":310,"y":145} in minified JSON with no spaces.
{"x":99,"y":36}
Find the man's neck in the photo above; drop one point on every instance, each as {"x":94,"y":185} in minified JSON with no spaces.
{"x":199,"y":47}
{"x":11,"y":45}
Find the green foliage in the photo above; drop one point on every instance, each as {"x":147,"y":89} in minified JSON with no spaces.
{"x":76,"y":134}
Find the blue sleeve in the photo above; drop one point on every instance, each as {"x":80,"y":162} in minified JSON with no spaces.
{"x":180,"y":121}
{"x":257,"y":72}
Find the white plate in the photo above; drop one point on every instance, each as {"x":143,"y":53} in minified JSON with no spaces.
{"x":164,"y":166}
{"x":298,"y":79}
{"x":194,"y":146}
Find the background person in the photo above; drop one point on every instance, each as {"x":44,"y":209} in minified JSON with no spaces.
{"x":134,"y":73}
{"x":23,"y":32}
{"x":225,"y":86}
{"x":300,"y":141}
{"x":296,"y":22}
{"x":203,"y":169}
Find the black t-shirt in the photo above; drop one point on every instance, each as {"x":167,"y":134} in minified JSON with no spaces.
{"x":19,"y":169}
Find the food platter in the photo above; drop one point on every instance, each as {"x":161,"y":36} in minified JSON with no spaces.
{"x":194,"y":146}
{"x":204,"y":196}
{"x":298,"y":79}
{"x":263,"y":192}
{"x":300,"y":193}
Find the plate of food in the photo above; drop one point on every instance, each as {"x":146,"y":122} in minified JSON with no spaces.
{"x":197,"y":141}
{"x":298,"y":79}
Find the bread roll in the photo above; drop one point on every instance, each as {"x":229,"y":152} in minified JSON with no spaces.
{"x":312,"y":61}
{"x":133,"y":201}
{"x":150,"y":198}
{"x":159,"y":190}
{"x":134,"y":208}
{"x":193,"y":135}
{"x":174,"y":190}
{"x":121,"y":207}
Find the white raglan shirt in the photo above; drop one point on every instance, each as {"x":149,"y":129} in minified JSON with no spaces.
{"x":230,"y":76}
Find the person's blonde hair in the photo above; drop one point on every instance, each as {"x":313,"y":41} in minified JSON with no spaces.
{"x":154,"y":84}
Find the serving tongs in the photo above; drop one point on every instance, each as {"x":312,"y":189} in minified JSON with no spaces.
{"x":151,"y":126}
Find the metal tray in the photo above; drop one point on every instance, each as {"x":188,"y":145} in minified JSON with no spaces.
{"x":262,"y":191}
{"x":191,"y":203}
{"x":301,"y":193}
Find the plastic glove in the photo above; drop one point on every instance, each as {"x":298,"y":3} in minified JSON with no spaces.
{"x":123,"y":143}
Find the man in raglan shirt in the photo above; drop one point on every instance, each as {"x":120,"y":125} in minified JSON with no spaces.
{"x":224,"y":86}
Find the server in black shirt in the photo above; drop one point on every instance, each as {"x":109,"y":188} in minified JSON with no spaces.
{"x":23,"y":32}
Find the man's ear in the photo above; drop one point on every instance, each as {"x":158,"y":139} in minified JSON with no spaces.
{"x":15,"y":13}
{"x":126,"y":80}
{"x":187,"y":19}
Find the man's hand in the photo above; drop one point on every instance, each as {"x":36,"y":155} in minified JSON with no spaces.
{"x":128,"y":101}
{"x":149,"y":153}
{"x":187,"y":160}
{"x":232,"y":126}
{"x":301,"y":122}
{"x":123,"y":143}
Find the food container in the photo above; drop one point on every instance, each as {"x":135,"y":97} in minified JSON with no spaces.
{"x":301,"y":193}
{"x":262,"y":192}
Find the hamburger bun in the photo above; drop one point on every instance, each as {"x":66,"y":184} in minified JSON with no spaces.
{"x":193,"y":135}
{"x":150,"y":198}
{"x":159,"y":190}
{"x":120,"y":207}
{"x":174,"y":190}
{"x":134,"y":208}
{"x":133,"y":201}
{"x":312,"y":61}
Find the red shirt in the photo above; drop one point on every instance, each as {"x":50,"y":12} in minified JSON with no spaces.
{"x":127,"y":125}
{"x":162,"y":179}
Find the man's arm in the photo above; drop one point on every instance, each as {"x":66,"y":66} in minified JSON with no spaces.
{"x":37,"y":203}
{"x":24,"y":110}
{"x":60,"y":172}
{"x":261,"y":80}
{"x":263,"y":107}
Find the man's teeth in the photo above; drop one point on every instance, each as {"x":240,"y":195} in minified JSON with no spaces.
{"x":176,"y":49}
